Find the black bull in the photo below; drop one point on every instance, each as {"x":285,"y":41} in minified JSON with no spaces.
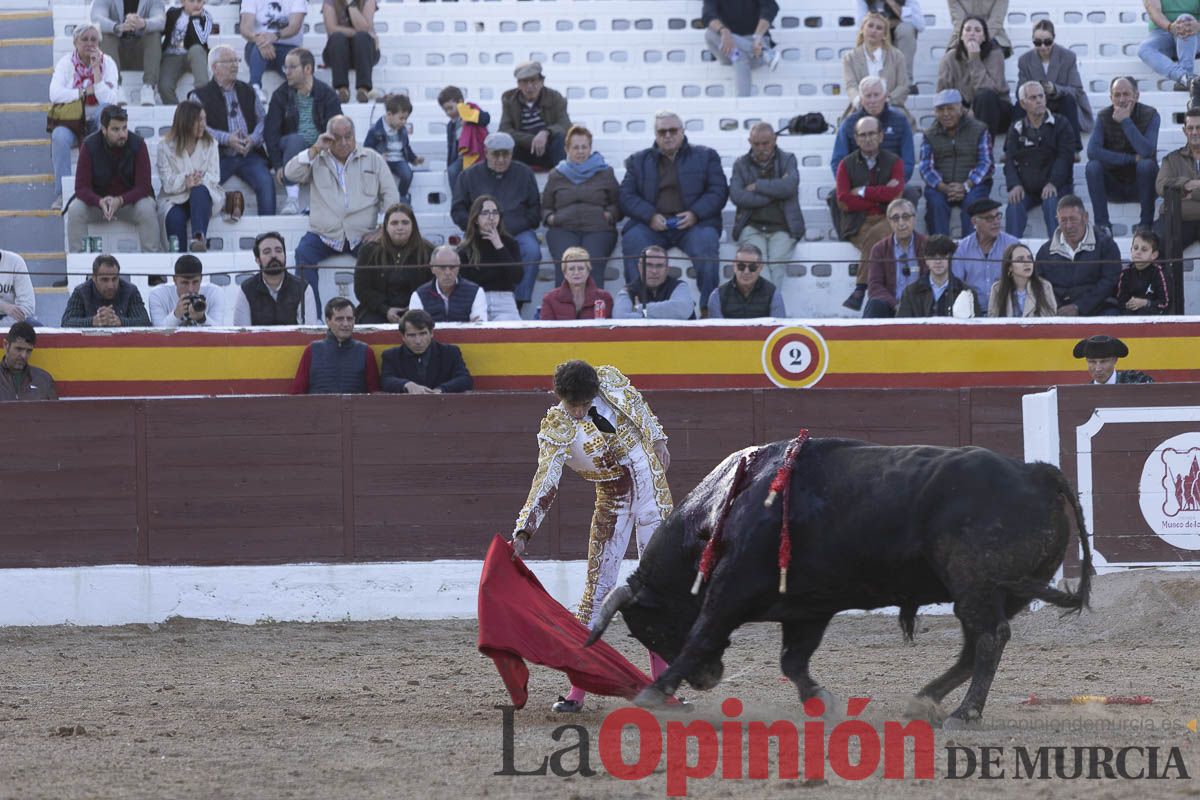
{"x":871,"y":527}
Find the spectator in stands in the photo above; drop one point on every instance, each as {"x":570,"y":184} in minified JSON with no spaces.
{"x":422,"y":365}
{"x":272,"y":29}
{"x":112,"y":181}
{"x":1081,"y":263}
{"x":993,"y":12}
{"x":339,"y":363}
{"x":936,"y":291}
{"x":1020,"y":291}
{"x":299,"y":113}
{"x":1170,"y":49}
{"x":236,"y":120}
{"x":747,"y":295}
{"x":765,"y":189}
{"x":975,"y":67}
{"x":465,"y":132}
{"x":1179,"y":171}
{"x":905,"y":21}
{"x":956,"y":162}
{"x":133,"y":34}
{"x":391,"y":268}
{"x":1038,"y":160}
{"x":579,"y":297}
{"x":978,"y":259}
{"x":20,"y":379}
{"x":17,"y":299}
{"x":351,"y":39}
{"x":185,"y":42}
{"x":105,"y":300}
{"x":448,"y":297}
{"x":1056,"y":69}
{"x":513,"y":189}
{"x":189,"y":174}
{"x":737,"y":33}
{"x":1101,"y":353}
{"x":389,"y":137}
{"x":349,"y":192}
{"x":535,"y":117}
{"x":673,"y":193}
{"x":873,"y":55}
{"x":87,"y":74}
{"x":494,"y":258}
{"x":174,"y":305}
{"x":1123,"y":155}
{"x":867,"y":180}
{"x":655,"y":293}
{"x":897,"y":132}
{"x":581,"y":205}
{"x":894,"y":262}
{"x":273,"y":296}
{"x":1142,"y":286}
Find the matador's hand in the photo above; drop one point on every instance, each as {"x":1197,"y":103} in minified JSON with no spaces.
{"x":518,"y":542}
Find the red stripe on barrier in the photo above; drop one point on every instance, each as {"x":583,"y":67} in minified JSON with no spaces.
{"x":965,"y":330}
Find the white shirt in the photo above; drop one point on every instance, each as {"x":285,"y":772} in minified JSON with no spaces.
{"x":308,"y":309}
{"x":274,"y":16}
{"x":15,"y":286}
{"x":164,"y":297}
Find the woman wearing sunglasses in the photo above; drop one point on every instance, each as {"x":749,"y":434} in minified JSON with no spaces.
{"x":1057,"y":70}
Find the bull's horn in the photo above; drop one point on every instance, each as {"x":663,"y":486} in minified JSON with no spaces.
{"x":617,"y":599}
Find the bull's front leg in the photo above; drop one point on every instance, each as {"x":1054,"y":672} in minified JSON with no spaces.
{"x":699,"y":662}
{"x":800,"y":640}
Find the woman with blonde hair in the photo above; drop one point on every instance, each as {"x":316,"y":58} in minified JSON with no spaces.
{"x":190,"y":172}
{"x":875,"y":55}
{"x":1020,"y":292}
{"x":579,"y":297}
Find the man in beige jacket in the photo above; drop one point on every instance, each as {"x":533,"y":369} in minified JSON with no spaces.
{"x":1178,"y":171}
{"x":351,"y":187}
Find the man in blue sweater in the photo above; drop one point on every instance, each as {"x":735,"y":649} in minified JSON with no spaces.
{"x":337,"y":364}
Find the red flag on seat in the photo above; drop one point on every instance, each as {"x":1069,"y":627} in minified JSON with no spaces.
{"x":519,"y":621}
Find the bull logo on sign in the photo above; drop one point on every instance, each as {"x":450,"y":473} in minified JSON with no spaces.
{"x":1181,"y":481}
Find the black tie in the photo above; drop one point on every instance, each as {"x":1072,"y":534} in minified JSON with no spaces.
{"x":600,"y":422}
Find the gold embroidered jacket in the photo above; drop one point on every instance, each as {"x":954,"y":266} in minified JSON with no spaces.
{"x":581,"y":446}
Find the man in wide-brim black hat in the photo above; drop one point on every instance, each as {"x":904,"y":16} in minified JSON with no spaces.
{"x":1102,"y":353}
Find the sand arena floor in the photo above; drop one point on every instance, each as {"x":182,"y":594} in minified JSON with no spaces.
{"x":406,"y":709}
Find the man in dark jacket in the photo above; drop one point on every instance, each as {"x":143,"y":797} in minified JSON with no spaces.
{"x":421,"y":365}
{"x":1101,"y":353}
{"x":299,"y":112}
{"x":673,"y":193}
{"x":112,"y":181}
{"x":935,"y":292}
{"x":894,"y":262}
{"x":338,"y":364}
{"x":764,"y":187}
{"x":516,"y":192}
{"x":1123,"y":154}
{"x":955,"y":163}
{"x":536,"y":118}
{"x":273,"y":296}
{"x":1081,"y":263}
{"x":1039,"y":156}
{"x":18,"y":379}
{"x":748,"y":294}
{"x":105,"y":300}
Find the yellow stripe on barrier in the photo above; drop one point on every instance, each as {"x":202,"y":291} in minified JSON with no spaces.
{"x":667,"y":357}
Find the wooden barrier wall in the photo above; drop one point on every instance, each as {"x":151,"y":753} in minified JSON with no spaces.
{"x":253,"y":480}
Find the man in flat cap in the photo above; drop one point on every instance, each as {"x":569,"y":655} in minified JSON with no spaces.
{"x":977,"y":259}
{"x":515,"y":189}
{"x":956,"y":162}
{"x":1102,"y":353}
{"x":536,"y":118}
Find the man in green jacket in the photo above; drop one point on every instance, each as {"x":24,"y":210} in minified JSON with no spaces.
{"x":19,"y":380}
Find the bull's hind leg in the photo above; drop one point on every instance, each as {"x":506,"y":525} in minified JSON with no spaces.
{"x":983,"y":620}
{"x":800,"y":640}
{"x":925,"y":704}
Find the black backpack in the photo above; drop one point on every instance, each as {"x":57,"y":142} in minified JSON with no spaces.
{"x":812,"y":122}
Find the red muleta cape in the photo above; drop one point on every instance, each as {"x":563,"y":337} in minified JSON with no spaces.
{"x":519,"y":621}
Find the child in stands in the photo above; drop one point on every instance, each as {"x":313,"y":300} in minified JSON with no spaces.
{"x":465,"y":131}
{"x":389,"y":137}
{"x":185,"y":46}
{"x":1142,"y":287}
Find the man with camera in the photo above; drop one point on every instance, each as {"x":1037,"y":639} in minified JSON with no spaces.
{"x":188,"y":302}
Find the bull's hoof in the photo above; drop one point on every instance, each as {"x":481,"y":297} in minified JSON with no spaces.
{"x":926,"y":709}
{"x":707,"y":676}
{"x":651,"y":697}
{"x":834,"y":707}
{"x":963,"y":721}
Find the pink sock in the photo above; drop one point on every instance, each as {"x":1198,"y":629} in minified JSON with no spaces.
{"x":576,"y":695}
{"x":657,"y":665}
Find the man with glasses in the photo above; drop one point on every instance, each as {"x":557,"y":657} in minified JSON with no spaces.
{"x":977,"y":259}
{"x":1123,"y":155}
{"x":673,"y":193}
{"x":956,"y":162}
{"x":867,"y":181}
{"x":351,"y":188}
{"x":299,"y":112}
{"x":1179,"y":171}
{"x":747,"y":295}
{"x":1038,"y":160}
{"x":895,"y":262}
{"x":235,"y":118}
{"x":765,"y":188}
{"x":897,"y":132}
{"x":655,"y":293}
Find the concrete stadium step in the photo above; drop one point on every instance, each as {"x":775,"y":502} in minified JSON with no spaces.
{"x":24,"y":120}
{"x":27,"y":192}
{"x":26,"y":52}
{"x":30,"y":230}
{"x":51,"y":301}
{"x":45,"y":269}
{"x":33,"y":155}
{"x":24,"y":24}
{"x":24,"y":85}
